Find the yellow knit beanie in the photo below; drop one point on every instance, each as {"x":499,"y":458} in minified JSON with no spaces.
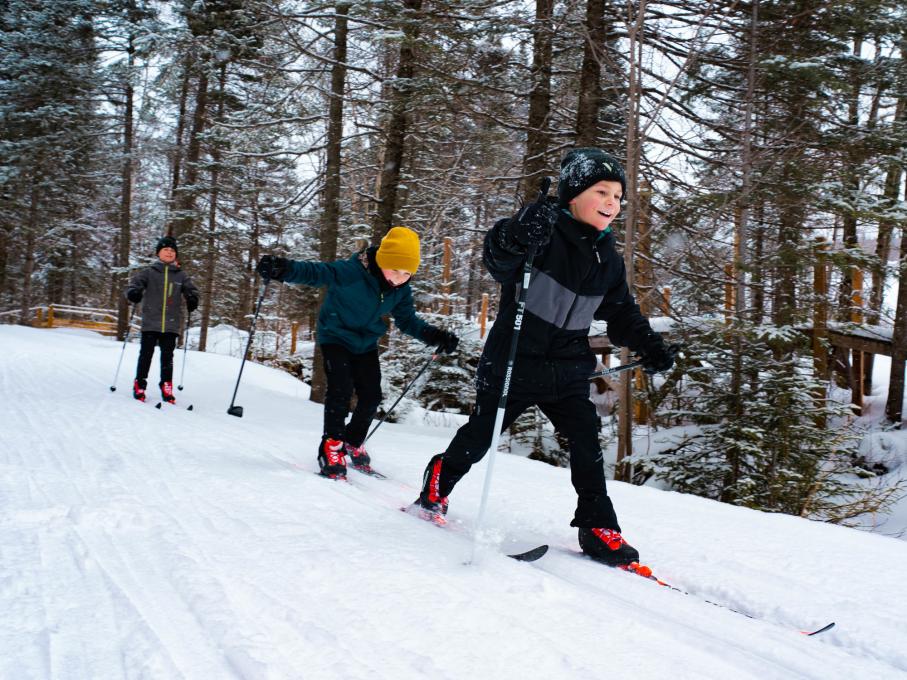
{"x":399,"y":249}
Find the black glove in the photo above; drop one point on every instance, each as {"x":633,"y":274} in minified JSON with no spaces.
{"x":192,"y":303}
{"x":134,"y":295}
{"x":445,"y":341}
{"x":271,"y":267}
{"x":534,"y":224}
{"x":656,"y":356}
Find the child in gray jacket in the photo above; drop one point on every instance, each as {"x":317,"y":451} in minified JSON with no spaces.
{"x":160,"y":285}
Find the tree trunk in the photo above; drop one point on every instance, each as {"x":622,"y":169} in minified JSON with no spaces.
{"x":211,"y":251}
{"x":4,"y":259}
{"x":893,"y":409}
{"x":589,"y":102}
{"x":851,"y":182}
{"x":28,"y":267}
{"x":183,"y":220}
{"x":180,"y":132}
{"x":125,"y":236}
{"x":397,"y":123}
{"x":622,"y":471}
{"x":330,"y":220}
{"x":537,"y":139}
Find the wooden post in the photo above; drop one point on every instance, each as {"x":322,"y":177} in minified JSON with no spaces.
{"x":39,"y":317}
{"x":856,"y":315}
{"x":50,"y":316}
{"x":446,"y":282}
{"x":483,"y":315}
{"x":666,"y":301}
{"x":624,"y":423}
{"x":294,"y":334}
{"x":644,"y":279}
{"x":640,"y":406}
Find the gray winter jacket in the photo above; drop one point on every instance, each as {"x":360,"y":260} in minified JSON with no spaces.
{"x":161,"y":286}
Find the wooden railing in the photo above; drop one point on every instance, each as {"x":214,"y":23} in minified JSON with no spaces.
{"x":103,"y":321}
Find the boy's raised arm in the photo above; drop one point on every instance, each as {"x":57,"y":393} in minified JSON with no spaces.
{"x":306,"y":273}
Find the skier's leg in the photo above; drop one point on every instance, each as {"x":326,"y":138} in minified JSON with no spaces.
{"x":338,"y":370}
{"x":146,"y":352}
{"x":366,"y":377}
{"x":576,"y":419}
{"x":168,"y":344}
{"x":471,"y":442}
{"x":595,"y":519}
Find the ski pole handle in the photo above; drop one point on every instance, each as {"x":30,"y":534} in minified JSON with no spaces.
{"x":543,"y":195}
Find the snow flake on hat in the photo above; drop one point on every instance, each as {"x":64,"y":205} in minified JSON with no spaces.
{"x":579,"y":169}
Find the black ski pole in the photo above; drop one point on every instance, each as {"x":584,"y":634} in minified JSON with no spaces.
{"x":402,"y":394}
{"x":616,"y":369}
{"x":673,"y":349}
{"x":237,"y":410}
{"x":113,"y":387}
{"x":185,"y":348}
{"x":505,"y":389}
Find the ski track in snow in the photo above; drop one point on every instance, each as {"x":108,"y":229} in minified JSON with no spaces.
{"x":137,"y":543}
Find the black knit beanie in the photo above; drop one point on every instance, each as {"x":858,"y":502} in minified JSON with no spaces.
{"x":581,"y":168}
{"x":166,"y":242}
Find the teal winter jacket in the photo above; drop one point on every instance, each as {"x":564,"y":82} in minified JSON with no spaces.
{"x":355,"y":302}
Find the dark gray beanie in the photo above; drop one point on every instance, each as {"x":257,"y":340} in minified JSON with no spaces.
{"x":581,"y":168}
{"x":166,"y":242}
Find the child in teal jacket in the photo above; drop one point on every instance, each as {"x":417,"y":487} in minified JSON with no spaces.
{"x":360,"y":291}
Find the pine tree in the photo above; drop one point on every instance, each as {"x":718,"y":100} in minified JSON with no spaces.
{"x":764,"y":448}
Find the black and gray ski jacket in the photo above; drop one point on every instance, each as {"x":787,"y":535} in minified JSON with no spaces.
{"x":162,"y":285}
{"x":576,"y":278}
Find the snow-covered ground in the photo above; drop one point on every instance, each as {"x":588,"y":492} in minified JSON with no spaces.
{"x":136,"y":543}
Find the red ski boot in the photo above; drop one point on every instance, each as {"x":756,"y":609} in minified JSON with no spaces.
{"x":167,"y":392}
{"x":138,"y":389}
{"x":431,"y":505}
{"x":331,"y":459}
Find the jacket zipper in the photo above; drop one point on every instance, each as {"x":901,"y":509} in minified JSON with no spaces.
{"x":164,"y":304}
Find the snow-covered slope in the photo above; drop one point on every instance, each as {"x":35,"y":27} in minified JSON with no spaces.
{"x":136,"y":543}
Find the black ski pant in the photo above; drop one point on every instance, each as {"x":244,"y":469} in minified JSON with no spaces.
{"x":574,"y":417}
{"x":345,"y":373}
{"x":150,"y":340}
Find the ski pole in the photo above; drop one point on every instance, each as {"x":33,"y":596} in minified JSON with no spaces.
{"x":185,"y":348}
{"x":505,"y":388}
{"x":616,"y":369}
{"x":405,"y":390}
{"x":673,"y":349}
{"x":237,"y":410}
{"x":113,"y":386}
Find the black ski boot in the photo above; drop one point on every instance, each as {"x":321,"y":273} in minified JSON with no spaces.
{"x":607,"y":546}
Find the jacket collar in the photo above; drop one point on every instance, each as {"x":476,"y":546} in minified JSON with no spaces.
{"x":581,"y":234}
{"x":159,"y":266}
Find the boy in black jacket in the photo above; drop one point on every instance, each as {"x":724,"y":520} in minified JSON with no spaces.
{"x":577,"y":276}
{"x":161,"y":285}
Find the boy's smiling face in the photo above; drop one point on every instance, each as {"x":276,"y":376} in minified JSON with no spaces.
{"x":396,"y":277}
{"x":167,"y":255}
{"x":598,"y":205}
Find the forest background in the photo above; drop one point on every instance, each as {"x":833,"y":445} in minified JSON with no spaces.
{"x":764,"y":144}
